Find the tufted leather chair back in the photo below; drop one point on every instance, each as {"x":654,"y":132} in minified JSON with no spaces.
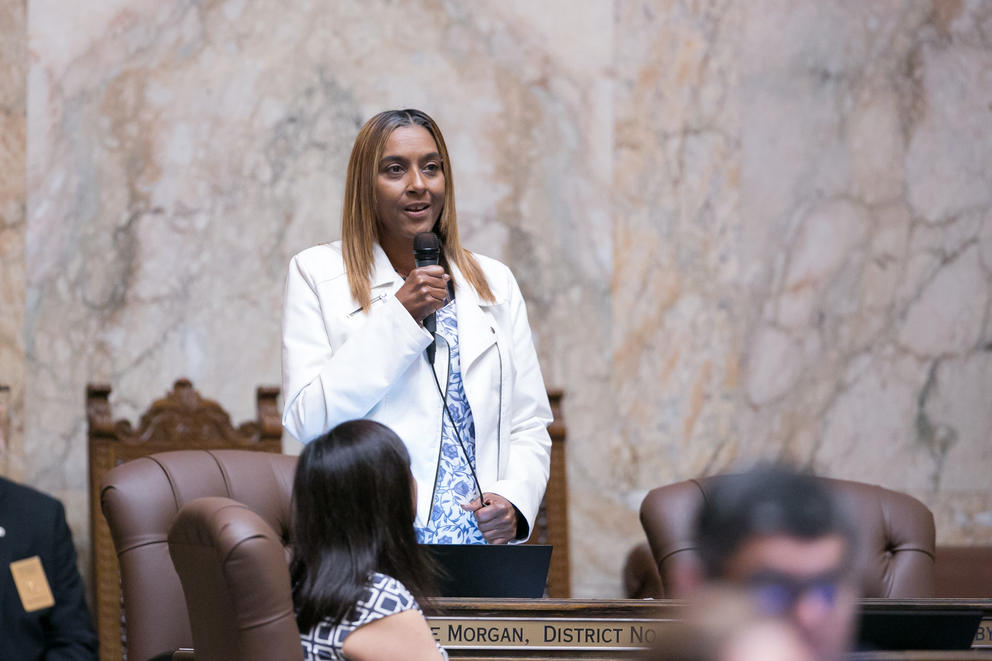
{"x":235,"y":574}
{"x":141,"y":498}
{"x":895,"y":531}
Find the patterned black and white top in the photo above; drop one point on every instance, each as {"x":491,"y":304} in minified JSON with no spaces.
{"x":384,"y":596}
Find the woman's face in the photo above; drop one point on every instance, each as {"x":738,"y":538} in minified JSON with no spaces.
{"x":409,"y":185}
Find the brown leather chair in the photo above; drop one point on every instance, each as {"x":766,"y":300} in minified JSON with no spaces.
{"x":235,"y":575}
{"x":964,"y":572}
{"x":896,"y":535}
{"x":141,"y":498}
{"x":181,"y":420}
{"x":640,"y":574}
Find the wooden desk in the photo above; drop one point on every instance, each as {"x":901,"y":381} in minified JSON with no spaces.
{"x":618,"y":629}
{"x":969,"y":655}
{"x":931,"y":655}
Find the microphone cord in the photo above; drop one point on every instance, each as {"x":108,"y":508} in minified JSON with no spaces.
{"x":454,"y":427}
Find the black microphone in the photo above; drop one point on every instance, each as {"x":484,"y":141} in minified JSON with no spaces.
{"x":427,"y":252}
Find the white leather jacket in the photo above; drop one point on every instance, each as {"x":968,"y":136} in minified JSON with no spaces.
{"x":340,"y":363}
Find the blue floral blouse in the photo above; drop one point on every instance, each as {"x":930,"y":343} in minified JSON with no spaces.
{"x":449,"y":523}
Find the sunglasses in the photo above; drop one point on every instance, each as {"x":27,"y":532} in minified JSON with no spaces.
{"x":776,"y":593}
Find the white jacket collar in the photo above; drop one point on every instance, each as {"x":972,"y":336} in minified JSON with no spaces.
{"x":476,"y":329}
{"x":466,"y":290}
{"x":384,"y":273}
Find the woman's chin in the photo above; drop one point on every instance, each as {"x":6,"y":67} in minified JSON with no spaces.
{"x":421,"y":221}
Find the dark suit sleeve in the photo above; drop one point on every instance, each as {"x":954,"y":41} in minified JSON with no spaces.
{"x":68,"y":627}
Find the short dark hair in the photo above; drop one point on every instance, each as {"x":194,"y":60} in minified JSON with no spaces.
{"x":353,"y":515}
{"x":766,"y":500}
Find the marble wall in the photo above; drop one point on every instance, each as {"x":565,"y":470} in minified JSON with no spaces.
{"x":13,"y":109}
{"x":743,"y":229}
{"x":869,"y":340}
{"x":802,"y":219}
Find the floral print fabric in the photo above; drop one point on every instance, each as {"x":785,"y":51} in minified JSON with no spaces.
{"x":449,"y":523}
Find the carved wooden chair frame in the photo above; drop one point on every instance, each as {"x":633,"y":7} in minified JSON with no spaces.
{"x":182,"y":420}
{"x":551,"y":526}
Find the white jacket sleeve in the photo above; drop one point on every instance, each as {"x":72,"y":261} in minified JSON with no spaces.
{"x":529,"y":463}
{"x":325,"y":385}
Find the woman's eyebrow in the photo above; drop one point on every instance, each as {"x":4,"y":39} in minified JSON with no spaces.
{"x":392,"y":158}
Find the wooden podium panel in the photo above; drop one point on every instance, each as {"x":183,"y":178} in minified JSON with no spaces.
{"x":549,"y":628}
{"x":488,"y":630}
{"x":924,"y":655}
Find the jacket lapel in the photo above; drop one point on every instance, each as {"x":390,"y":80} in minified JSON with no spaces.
{"x":475,"y":328}
{"x":384,"y":274}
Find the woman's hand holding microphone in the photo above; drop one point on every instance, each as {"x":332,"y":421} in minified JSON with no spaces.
{"x":424,"y":291}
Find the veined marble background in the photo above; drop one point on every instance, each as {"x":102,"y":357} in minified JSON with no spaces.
{"x":744,"y":230}
{"x":13,"y":198}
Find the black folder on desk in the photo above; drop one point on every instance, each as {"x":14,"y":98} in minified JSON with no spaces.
{"x":918,"y":629}
{"x":489,"y":572}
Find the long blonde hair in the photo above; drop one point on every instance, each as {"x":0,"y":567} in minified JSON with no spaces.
{"x":359,"y":227}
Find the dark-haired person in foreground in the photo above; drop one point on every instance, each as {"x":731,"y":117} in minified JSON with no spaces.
{"x":43,"y":613}
{"x":782,"y":536}
{"x":357,"y":571}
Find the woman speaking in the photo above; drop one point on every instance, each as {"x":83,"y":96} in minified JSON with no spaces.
{"x":442,"y":353}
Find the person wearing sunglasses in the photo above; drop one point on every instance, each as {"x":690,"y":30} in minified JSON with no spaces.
{"x":779,"y":535}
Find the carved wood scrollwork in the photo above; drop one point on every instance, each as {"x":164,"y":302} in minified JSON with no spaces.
{"x":184,"y":419}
